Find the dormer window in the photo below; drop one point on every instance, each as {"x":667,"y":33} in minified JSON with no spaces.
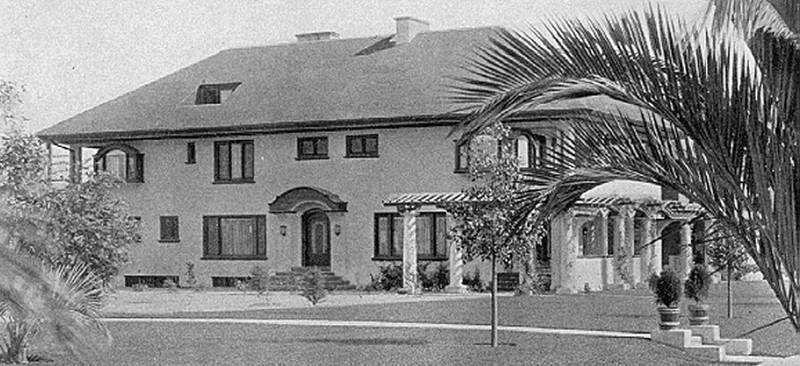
{"x":214,"y":93}
{"x":121,"y":161}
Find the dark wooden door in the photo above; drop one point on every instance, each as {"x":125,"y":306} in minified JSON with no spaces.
{"x":316,"y":240}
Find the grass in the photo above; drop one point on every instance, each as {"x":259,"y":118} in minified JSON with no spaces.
{"x":207,"y":344}
{"x":629,"y":311}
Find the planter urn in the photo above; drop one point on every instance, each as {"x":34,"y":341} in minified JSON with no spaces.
{"x":698,"y":314}
{"x":668,"y":318}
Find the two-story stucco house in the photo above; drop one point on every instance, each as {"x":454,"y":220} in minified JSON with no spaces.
{"x":319,"y":153}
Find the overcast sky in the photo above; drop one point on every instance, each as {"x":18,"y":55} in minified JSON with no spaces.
{"x":74,"y":55}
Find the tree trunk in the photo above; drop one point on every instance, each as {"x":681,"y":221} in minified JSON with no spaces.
{"x":730,"y":298}
{"x":494,"y":300}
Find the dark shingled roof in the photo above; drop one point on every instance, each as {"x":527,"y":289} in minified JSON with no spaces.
{"x":289,"y":85}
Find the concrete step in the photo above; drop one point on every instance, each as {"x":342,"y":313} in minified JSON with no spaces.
{"x":710,"y":335}
{"x":706,"y":352}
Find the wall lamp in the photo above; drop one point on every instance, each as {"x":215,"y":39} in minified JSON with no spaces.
{"x":283,"y":230}
{"x":337,"y":229}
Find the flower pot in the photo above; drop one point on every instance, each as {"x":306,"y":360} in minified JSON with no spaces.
{"x":698,"y":314}
{"x":668,"y":318}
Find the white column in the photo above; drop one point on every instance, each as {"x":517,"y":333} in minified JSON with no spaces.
{"x":630,"y":234}
{"x":646,"y":256}
{"x":602,"y":232}
{"x":456,"y":263}
{"x":569,"y":254}
{"x":409,"y":248}
{"x":619,"y":246}
{"x":686,"y":251}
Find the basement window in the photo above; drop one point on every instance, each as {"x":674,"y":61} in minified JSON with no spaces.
{"x":214,"y":93}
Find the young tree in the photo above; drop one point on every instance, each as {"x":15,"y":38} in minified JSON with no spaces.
{"x":726,"y":254}
{"x":484,"y":227}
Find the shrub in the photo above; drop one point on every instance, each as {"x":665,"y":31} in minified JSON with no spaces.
{"x":259,"y":279}
{"x":139,"y":287}
{"x":440,"y":277}
{"x":696,"y":285}
{"x":313,"y":287}
{"x":474,"y":282}
{"x":170,"y":285}
{"x":191,"y":280}
{"x":391,"y":277}
{"x":667,"y":288}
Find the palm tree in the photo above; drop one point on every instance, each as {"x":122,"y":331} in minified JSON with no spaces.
{"x":711,"y":110}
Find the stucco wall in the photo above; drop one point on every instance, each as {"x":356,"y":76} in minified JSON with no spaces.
{"x":411,"y":160}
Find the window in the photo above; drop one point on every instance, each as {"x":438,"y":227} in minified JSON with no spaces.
{"x":312,"y":148}
{"x":363,"y":146}
{"x":589,"y":241}
{"x":234,"y":237}
{"x":122,"y":161}
{"x":233,"y":161}
{"x":170,"y":231}
{"x":431,"y":236}
{"x":214,"y":93}
{"x":530,"y":150}
{"x":190,"y":153}
{"x":136,"y":221}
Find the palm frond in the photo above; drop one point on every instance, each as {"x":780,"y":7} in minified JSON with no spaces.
{"x":717,"y":118}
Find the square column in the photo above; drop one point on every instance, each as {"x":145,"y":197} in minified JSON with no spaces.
{"x":619,"y":248}
{"x":456,"y":264}
{"x":646,"y":256}
{"x":630,"y":243}
{"x":602,"y":232}
{"x":568,"y":247}
{"x":686,"y":256}
{"x":75,"y":163}
{"x":410,"y":214}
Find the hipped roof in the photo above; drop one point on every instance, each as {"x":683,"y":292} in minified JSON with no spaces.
{"x":308,"y":84}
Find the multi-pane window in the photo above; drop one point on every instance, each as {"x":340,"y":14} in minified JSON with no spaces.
{"x":214,"y":93}
{"x":170,"y":229}
{"x":312,"y":148}
{"x":233,"y":161}
{"x":234,"y":237}
{"x":431,"y":230}
{"x":362,"y":146}
{"x":190,"y":153}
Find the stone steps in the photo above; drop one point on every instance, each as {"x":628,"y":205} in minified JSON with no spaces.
{"x":289,"y":281}
{"x":703,"y":341}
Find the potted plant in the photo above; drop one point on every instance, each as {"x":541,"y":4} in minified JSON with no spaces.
{"x":696,"y":288}
{"x":667,"y":288}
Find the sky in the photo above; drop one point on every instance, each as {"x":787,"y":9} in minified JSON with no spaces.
{"x":74,"y":55}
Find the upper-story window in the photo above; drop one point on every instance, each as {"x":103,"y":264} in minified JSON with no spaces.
{"x":191,"y":153}
{"x":530,"y":150}
{"x":122,"y":161}
{"x":233,"y":161}
{"x":362,"y":146}
{"x":312,"y":148}
{"x":214,"y":93}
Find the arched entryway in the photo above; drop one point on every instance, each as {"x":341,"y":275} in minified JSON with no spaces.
{"x":316,"y":239}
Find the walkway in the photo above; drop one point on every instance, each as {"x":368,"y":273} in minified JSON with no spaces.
{"x":762,"y":360}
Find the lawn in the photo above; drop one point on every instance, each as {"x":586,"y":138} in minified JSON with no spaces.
{"x":221,"y":344}
{"x":628,"y":311}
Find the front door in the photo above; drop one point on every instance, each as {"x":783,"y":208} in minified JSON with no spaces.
{"x":316,"y":240}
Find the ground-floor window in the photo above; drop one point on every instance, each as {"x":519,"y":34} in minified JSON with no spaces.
{"x":234,"y":237}
{"x":431,"y":236}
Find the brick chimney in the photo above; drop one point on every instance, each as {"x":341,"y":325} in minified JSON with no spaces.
{"x":316,"y":36}
{"x":408,"y":28}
